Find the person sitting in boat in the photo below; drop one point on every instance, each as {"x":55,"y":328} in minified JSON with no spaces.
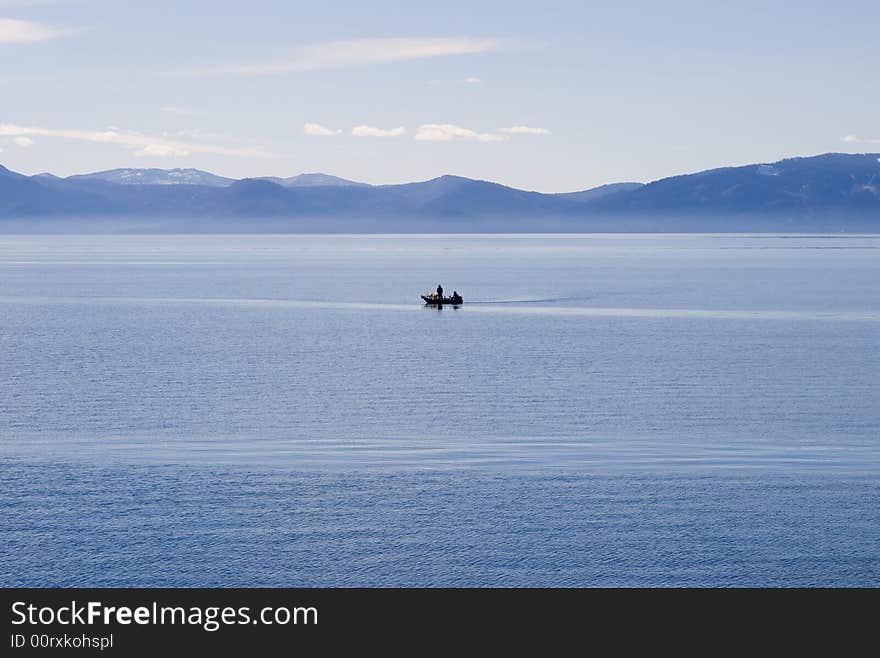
{"x":456,"y":298}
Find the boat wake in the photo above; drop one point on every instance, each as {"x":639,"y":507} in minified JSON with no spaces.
{"x":548,"y":300}
{"x":513,"y":307}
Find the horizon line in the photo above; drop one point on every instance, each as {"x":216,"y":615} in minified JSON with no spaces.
{"x":440,"y":176}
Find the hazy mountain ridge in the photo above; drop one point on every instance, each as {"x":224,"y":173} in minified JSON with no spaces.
{"x":848,"y":183}
{"x":313,"y":180}
{"x":826,"y":192}
{"x":131,"y":176}
{"x":128,"y":176}
{"x":598,"y":192}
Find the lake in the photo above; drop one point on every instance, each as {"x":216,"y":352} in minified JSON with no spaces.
{"x":602,"y":410}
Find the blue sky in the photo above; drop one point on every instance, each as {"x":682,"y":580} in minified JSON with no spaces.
{"x":551,"y":96}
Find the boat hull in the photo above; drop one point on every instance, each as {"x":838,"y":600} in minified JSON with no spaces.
{"x":440,"y":301}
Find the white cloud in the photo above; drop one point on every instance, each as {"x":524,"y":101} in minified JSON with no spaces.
{"x":473,"y":80}
{"x":23,"y":141}
{"x":16,"y":31}
{"x":362,"y":52}
{"x":317,"y":130}
{"x":446,"y":132}
{"x":525,"y":130}
{"x":162,"y":150}
{"x":143,"y":145}
{"x":854,"y":139}
{"x":369,"y":131}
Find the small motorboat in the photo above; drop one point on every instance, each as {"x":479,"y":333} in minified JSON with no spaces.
{"x":434,"y":300}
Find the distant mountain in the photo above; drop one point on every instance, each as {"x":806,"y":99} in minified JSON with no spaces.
{"x":23,"y":196}
{"x":156,"y":177}
{"x":454,"y":196}
{"x":597,"y":192}
{"x":313,"y":180}
{"x":8,"y":173}
{"x":832,"y":192}
{"x":833,"y":182}
{"x":199,"y":177}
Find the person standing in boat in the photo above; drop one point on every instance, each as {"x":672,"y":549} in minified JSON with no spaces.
{"x":439,"y":292}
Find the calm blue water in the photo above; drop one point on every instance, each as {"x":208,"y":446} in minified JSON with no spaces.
{"x":283,"y":411}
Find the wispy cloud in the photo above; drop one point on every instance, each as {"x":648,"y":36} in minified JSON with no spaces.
{"x":163,"y":150}
{"x":855,"y":139}
{"x":446,"y":132}
{"x":525,"y":130}
{"x":317,"y":130}
{"x":142,"y":145}
{"x":473,"y":80}
{"x":362,"y":52}
{"x":205,"y":135}
{"x":370,"y":131}
{"x":17,"y":31}
{"x":24,"y":142}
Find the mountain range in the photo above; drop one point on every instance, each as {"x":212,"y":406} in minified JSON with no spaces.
{"x":839,"y":192}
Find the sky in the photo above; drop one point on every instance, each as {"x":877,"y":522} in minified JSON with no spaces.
{"x":547,"y":96}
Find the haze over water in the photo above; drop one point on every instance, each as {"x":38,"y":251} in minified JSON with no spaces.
{"x":283,"y":410}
